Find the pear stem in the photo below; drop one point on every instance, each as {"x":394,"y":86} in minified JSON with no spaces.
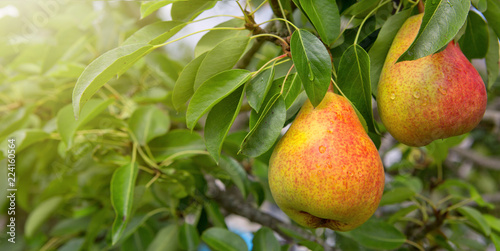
{"x":421,"y":6}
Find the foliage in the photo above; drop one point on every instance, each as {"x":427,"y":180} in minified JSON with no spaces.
{"x":123,"y":143}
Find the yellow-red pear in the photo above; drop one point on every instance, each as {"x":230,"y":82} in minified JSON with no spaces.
{"x":326,"y":171}
{"x":434,"y":97}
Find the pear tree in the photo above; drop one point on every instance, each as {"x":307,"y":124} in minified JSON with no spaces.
{"x":250,"y":125}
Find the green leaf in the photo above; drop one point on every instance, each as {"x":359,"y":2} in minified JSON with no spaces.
{"x":188,"y":237}
{"x":214,"y":214}
{"x":292,"y":89}
{"x":380,"y":48}
{"x":493,"y":222}
{"x":267,"y":128}
{"x":344,"y":242}
{"x":183,"y":89}
{"x":40,"y":214}
{"x":103,"y":69}
{"x":67,"y":125}
{"x":311,"y":245}
{"x":476,"y":218}
{"x":213,"y":37}
{"x":236,"y":172}
{"x":258,"y":192}
{"x":492,"y":58}
{"x":189,"y":10}
{"x":474,"y":194}
{"x":474,"y":42}
{"x":166,"y":239}
{"x":439,"y":149}
{"x":138,"y":221}
{"x":324,"y":15}
{"x":480,"y":5}
{"x":401,"y":213}
{"x":441,"y":22}
{"x":441,"y":241}
{"x":70,"y":226}
{"x":155,"y":33}
{"x":264,"y":240}
{"x":496,"y":240}
{"x":491,"y":15}
{"x":14,"y":120}
{"x":412,"y":182}
{"x":361,"y":8}
{"x":222,"y":57}
{"x":219,"y":121}
{"x":213,"y":91}
{"x":98,"y":220}
{"x":292,"y":233}
{"x":377,"y":234}
{"x":147,"y":8}
{"x":313,"y":64}
{"x":25,"y":138}
{"x":175,"y":141}
{"x":258,"y":87}
{"x":223,"y":239}
{"x":148,"y":122}
{"x":396,"y":195}
{"x":73,"y":244}
{"x":122,"y":194}
{"x":353,"y":80}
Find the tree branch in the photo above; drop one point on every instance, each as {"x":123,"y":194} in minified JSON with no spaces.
{"x":233,"y":202}
{"x":419,"y":233}
{"x":247,"y":58}
{"x":483,"y":161}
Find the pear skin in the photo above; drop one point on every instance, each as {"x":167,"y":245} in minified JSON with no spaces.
{"x":325,"y":171}
{"x":434,"y":97}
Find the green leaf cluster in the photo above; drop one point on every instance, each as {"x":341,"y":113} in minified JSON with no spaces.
{"x":121,"y":133}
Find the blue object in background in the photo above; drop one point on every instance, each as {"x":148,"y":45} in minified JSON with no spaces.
{"x":247,"y":236}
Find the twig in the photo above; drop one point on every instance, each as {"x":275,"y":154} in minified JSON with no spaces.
{"x":480,"y":160}
{"x":247,"y":58}
{"x":429,"y":227}
{"x":233,"y":202}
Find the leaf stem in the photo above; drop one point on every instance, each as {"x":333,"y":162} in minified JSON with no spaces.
{"x":134,"y":152}
{"x":148,"y":152}
{"x":366,"y":18}
{"x":170,"y":159}
{"x":146,"y":169}
{"x":279,"y":19}
{"x":196,"y":32}
{"x":459,"y":204}
{"x":338,"y":88}
{"x":415,"y":245}
{"x":258,"y":7}
{"x":416,"y":221}
{"x":342,"y":32}
{"x":284,"y":17}
{"x":267,"y":63}
{"x":422,"y":209}
{"x":270,"y":35}
{"x":284,"y":80}
{"x":155,"y":178}
{"x":443,"y":200}
{"x":147,"y":159}
{"x":440,"y":171}
{"x":426,"y":200}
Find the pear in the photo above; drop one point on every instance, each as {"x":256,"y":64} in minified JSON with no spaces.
{"x":434,"y":97}
{"x":325,"y":171}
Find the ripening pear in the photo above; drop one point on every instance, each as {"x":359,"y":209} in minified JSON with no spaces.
{"x":325,"y":171}
{"x":434,"y":97}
